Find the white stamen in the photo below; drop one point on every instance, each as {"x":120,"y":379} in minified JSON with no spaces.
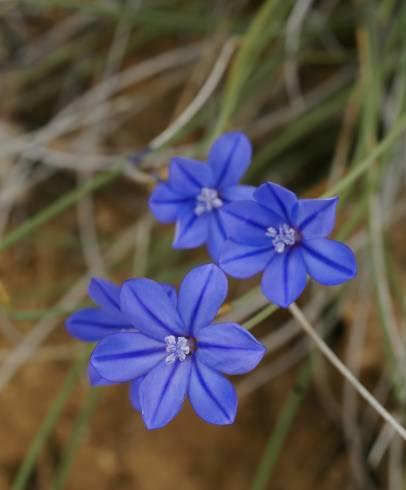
{"x":283,"y":236}
{"x":207,"y":200}
{"x":177,"y":348}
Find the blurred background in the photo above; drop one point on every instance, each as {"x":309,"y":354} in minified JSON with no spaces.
{"x":86,"y":86}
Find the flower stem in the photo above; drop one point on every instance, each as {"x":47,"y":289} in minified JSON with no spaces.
{"x":325,"y":349}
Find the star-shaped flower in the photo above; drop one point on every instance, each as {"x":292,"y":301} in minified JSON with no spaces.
{"x":286,"y":238}
{"x":177,"y":350}
{"x":195,"y":193}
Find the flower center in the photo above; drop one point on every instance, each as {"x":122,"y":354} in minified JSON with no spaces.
{"x":282,"y":236}
{"x":178,"y":348}
{"x":207,"y":200}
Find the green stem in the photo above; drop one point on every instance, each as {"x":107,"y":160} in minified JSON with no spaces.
{"x":260,"y":316}
{"x":367,"y":162}
{"x":58,"y":207}
{"x":48,"y":424}
{"x":263,"y":27}
{"x":280,"y":431}
{"x":75,"y":440}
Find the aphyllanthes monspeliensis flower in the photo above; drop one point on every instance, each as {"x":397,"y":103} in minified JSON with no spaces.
{"x":177,"y":350}
{"x":195,"y":193}
{"x":285,"y":237}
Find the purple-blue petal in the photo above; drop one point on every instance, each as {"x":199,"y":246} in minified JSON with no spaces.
{"x":166,"y":204}
{"x":94,"y":377}
{"x":329,"y":262}
{"x":229,"y":348}
{"x":315,"y":218}
{"x":237,"y":193}
{"x":93,"y":324}
{"x":229,"y":158}
{"x":163,"y":392}
{"x":201,"y":294}
{"x":125,"y":356}
{"x":191,"y":230}
{"x":135,"y":393}
{"x":171,"y":292}
{"x":247,"y":221}
{"x":148,"y":306}
{"x":284,"y":277}
{"x":244,"y":261}
{"x":277,"y":199}
{"x":105,"y":293}
{"x":216,"y":234}
{"x":212,"y":396}
{"x":187,"y":176}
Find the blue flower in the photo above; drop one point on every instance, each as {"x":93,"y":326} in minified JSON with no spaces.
{"x":286,"y":238}
{"x":195,"y":193}
{"x":177,"y":350}
{"x":93,"y":324}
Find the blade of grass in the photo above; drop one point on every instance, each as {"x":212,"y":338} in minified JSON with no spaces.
{"x":58,"y":206}
{"x":49,"y":423}
{"x":379,"y":150}
{"x":297,"y":130}
{"x":260,"y":316}
{"x":75,"y":440}
{"x":263,"y":27}
{"x":344,"y":371}
{"x":185,"y":20}
{"x":281,"y":429}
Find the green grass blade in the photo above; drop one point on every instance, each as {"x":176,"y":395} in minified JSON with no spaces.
{"x":75,"y":440}
{"x":48,"y":424}
{"x":264,"y":26}
{"x":280,"y":431}
{"x":58,"y":207}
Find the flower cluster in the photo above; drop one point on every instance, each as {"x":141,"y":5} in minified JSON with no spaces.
{"x":166,"y":344}
{"x":248,"y":231}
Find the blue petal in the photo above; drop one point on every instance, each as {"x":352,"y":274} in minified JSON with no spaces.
{"x":216,"y":235}
{"x":238,"y":193}
{"x":244,"y":261}
{"x":105,"y":293}
{"x":125,"y":356}
{"x":201,"y":294}
{"x":229,"y":158}
{"x":135,"y":393}
{"x":166,"y":204}
{"x":171,"y":292}
{"x":247,"y":221}
{"x":148,"y":306}
{"x":92,"y":324}
{"x":285,"y":277}
{"x":212,"y":396}
{"x":187,"y":176}
{"x":94,"y":377}
{"x":163,"y":392}
{"x":191,"y":230}
{"x":315,"y":218}
{"x":329,"y":262}
{"x":278,"y":199}
{"x":228,"y":348}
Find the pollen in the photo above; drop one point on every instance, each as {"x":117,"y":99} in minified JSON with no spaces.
{"x":282,"y":236}
{"x":178,"y":348}
{"x":207,"y":200}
